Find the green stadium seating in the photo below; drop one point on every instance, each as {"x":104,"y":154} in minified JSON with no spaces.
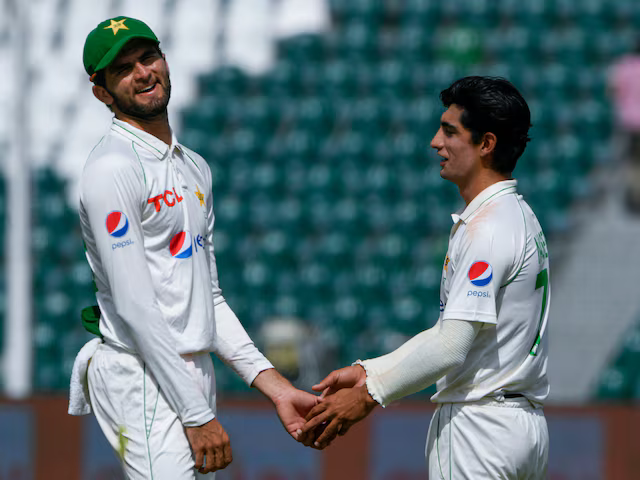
{"x":422,"y":12}
{"x":621,"y":380}
{"x":302,"y":48}
{"x":355,"y":40}
{"x":368,"y":10}
{"x":223,"y":83}
{"x":329,"y":204}
{"x":62,"y":282}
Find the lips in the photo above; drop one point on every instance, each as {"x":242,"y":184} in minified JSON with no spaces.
{"x":148,"y":89}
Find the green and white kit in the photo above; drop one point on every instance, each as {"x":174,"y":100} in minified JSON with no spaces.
{"x":146,"y":212}
{"x":496,"y":272}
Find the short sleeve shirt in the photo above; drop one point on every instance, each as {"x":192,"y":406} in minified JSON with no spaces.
{"x":496,"y":272}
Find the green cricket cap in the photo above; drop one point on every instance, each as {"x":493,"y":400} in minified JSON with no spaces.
{"x":106,"y":40}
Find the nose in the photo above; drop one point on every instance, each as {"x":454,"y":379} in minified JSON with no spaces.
{"x":436,"y":141}
{"x":141,"y":71}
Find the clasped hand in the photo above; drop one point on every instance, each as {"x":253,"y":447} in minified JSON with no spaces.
{"x":344,"y":402}
{"x":313,"y":421}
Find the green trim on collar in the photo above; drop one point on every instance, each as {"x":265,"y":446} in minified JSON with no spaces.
{"x":189,"y":156}
{"x":139,"y":138}
{"x":96,"y":146}
{"x":465,"y":216}
{"x":133,"y":145}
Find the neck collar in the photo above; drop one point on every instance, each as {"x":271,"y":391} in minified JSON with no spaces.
{"x":485,"y":197}
{"x":145,"y":140}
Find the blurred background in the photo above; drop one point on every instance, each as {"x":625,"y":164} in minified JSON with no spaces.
{"x":331,"y":218}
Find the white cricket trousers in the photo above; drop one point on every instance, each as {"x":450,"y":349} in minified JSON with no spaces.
{"x":488,"y":440}
{"x":144,"y":431}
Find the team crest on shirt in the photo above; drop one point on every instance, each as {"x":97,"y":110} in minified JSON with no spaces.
{"x":446,"y":263}
{"x":480,"y":274}
{"x":200,"y":195}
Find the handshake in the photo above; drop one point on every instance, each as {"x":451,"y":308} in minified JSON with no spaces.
{"x":344,"y":402}
{"x":313,"y":420}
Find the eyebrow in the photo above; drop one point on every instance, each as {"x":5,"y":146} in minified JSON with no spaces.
{"x":448,"y":125}
{"x":116,"y":66}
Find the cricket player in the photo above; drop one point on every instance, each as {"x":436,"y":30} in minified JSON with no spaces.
{"x":147,"y":219}
{"x":488,"y":349}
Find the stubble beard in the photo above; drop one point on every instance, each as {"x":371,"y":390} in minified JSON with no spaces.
{"x":148,"y":111}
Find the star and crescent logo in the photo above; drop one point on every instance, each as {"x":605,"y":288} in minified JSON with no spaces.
{"x":200,"y":195}
{"x":116,"y":26}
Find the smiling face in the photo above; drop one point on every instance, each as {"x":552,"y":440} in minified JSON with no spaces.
{"x":137,"y":82}
{"x":461,"y":158}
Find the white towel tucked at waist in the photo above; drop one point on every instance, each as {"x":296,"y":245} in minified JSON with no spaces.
{"x":79,"y":402}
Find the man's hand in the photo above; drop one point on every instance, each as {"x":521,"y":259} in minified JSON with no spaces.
{"x":292,"y":408}
{"x":292,"y":405}
{"x":347,"y":377}
{"x":339,"y":412}
{"x":212,"y":441}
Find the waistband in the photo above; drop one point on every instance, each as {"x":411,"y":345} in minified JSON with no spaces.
{"x":108,"y":346}
{"x":512,"y":402}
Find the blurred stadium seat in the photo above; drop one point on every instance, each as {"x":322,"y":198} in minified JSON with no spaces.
{"x":621,"y":380}
{"x":328,"y":204}
{"x":62,"y":282}
{"x":3,"y":286}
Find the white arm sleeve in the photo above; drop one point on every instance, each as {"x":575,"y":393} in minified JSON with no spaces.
{"x":112,"y":183}
{"x":231,"y":344}
{"x":234,"y":347}
{"x":421,"y":361}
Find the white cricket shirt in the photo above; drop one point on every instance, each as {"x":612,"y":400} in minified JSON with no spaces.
{"x":146,"y":212}
{"x":497,"y":272}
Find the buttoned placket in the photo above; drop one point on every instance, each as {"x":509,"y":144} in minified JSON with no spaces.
{"x":174,"y":151}
{"x":457,"y":221}
{"x":174,"y":154}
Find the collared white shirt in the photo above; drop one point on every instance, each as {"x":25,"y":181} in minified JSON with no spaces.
{"x":497,"y":272}
{"x":147,"y":219}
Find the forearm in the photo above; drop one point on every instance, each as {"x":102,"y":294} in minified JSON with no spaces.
{"x":271,"y":384}
{"x":234,"y":347}
{"x":421,"y":361}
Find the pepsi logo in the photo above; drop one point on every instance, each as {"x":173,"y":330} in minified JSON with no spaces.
{"x":117,"y":224}
{"x":480,"y":274}
{"x":181,"y":245}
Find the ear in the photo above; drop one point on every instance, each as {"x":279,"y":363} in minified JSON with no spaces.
{"x":488,"y":144}
{"x":101,"y":94}
{"x":166,"y":64}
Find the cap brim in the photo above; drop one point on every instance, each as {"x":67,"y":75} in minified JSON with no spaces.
{"x":115,"y":50}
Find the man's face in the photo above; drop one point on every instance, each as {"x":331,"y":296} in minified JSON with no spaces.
{"x":460,"y":156}
{"x":138,"y":80}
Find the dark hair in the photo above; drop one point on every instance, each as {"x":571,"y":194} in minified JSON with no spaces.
{"x":100,"y":79}
{"x":492,"y":104}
